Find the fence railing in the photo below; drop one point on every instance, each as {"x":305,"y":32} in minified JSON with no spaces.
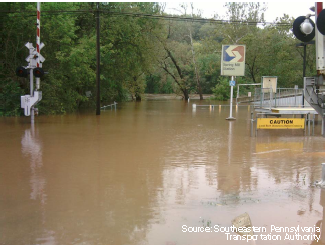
{"x":283,"y":97}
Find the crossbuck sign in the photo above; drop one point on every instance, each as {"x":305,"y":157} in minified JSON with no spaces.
{"x":233,"y":60}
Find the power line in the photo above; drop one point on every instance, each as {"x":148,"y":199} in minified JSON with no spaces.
{"x":46,"y":11}
{"x":151,"y":16}
{"x":178,"y":18}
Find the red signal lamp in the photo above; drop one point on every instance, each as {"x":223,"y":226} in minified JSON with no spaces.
{"x":21,"y":72}
{"x":38,"y":72}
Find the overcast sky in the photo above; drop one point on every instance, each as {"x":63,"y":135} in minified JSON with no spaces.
{"x":275,"y":8}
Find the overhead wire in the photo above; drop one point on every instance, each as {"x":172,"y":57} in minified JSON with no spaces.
{"x":143,"y":15}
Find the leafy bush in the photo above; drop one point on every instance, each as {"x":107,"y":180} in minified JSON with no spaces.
{"x":10,"y":98}
{"x":222,"y":89}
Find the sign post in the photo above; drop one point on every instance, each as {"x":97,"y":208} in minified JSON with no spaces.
{"x":232,"y":84}
{"x":233,"y":64}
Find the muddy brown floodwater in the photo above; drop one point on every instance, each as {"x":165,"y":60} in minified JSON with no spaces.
{"x":157,"y":172}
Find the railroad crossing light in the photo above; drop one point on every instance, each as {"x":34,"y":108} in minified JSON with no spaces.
{"x":38,"y":72}
{"x":21,"y":72}
{"x":304,"y":29}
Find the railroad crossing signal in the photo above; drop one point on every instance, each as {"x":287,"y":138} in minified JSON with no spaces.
{"x":32,"y":59}
{"x":34,"y":56}
{"x":35,"y":60}
{"x":34,"y":68}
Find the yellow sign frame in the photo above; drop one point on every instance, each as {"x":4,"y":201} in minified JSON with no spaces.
{"x":280,"y":123}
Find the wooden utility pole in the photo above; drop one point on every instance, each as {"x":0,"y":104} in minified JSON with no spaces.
{"x":98,"y":101}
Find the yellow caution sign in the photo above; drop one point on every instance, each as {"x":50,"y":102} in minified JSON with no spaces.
{"x":280,"y":123}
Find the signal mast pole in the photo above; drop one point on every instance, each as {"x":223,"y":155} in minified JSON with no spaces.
{"x":38,"y":80}
{"x":38,"y":44}
{"x":98,"y":96}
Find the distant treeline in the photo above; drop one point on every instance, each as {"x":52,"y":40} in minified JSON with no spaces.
{"x":142,"y":51}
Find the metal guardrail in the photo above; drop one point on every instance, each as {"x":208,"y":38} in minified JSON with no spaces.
{"x":263,"y":98}
{"x":283,"y":97}
{"x":245,"y":98}
{"x":289,"y":97}
{"x":112,"y":105}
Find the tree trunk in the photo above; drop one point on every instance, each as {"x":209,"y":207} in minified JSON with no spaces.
{"x":137,"y":88}
{"x":252,"y":68}
{"x":183,"y":88}
{"x":186,"y":95}
{"x":138,"y":97}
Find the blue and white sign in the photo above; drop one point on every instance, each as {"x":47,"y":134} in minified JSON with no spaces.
{"x":233,"y":60}
{"x":232,"y":83}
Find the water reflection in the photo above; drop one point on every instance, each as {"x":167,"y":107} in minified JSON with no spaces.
{"x":135,"y":176}
{"x":32,"y":149}
{"x":230,"y":141}
{"x":248,"y":176}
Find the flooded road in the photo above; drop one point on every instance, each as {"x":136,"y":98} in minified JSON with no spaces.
{"x":156,"y":172}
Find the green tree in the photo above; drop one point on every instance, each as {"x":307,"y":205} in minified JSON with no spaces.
{"x":178,"y":57}
{"x":270,"y":49}
{"x":127,"y":50}
{"x":222,"y":89}
{"x":130,"y":49}
{"x":13,"y":38}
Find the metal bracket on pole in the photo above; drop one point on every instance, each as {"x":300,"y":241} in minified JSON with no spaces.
{"x":28,"y":102}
